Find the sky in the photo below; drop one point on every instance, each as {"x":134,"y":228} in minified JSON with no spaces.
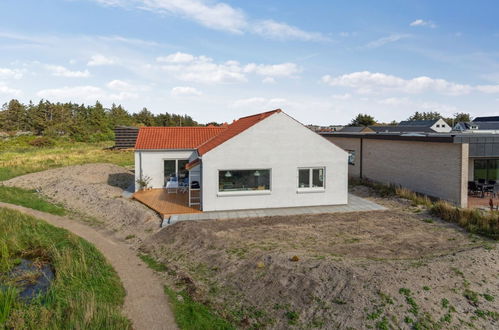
{"x":320,"y":61}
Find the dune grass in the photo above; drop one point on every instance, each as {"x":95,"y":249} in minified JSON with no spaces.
{"x":18,"y":157}
{"x":29,"y":198}
{"x":85,"y":294}
{"x":485,"y":223}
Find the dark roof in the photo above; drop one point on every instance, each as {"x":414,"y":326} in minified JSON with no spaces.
{"x":420,"y":123}
{"x":486,"y":119}
{"x":352,"y":129}
{"x":480,"y":125}
{"x":401,"y":129}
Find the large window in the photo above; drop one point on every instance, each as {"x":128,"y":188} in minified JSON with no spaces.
{"x":310,"y":178}
{"x":244,"y":180}
{"x":486,"y":169}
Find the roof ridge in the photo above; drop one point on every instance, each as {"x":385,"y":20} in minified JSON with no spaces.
{"x":258,"y":117}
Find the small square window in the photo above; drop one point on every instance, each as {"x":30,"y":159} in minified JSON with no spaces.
{"x":311,"y":177}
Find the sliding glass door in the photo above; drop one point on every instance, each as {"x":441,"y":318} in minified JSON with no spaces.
{"x":175,"y":168}
{"x":486,"y":169}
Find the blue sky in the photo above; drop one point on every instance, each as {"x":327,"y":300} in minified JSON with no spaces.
{"x":320,"y":61}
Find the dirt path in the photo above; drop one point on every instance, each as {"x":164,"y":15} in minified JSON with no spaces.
{"x":145,"y":303}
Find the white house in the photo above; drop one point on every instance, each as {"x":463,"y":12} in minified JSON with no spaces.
{"x":267,"y":160}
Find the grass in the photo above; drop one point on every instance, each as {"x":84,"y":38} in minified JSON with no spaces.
{"x":19,"y":157}
{"x":86,"y":292}
{"x":191,"y":315}
{"x":472,"y":220}
{"x":152,"y":263}
{"x":29,"y":198}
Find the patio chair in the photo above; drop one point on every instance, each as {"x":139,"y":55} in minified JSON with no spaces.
{"x":473,"y":188}
{"x":184,"y":185}
{"x":481,"y":181}
{"x":172,"y":185}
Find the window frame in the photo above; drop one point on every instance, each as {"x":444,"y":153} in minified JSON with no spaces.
{"x":244,"y":192}
{"x":310,"y":173}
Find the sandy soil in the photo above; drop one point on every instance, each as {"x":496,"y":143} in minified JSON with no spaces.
{"x":350,"y":271}
{"x":145,"y":303}
{"x":95,"y":190}
{"x":353,"y":270}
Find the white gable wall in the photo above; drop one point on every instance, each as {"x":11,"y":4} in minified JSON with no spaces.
{"x":151,"y":162}
{"x":443,"y":127}
{"x":283,"y":145}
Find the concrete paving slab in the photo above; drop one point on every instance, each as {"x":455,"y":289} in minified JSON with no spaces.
{"x":355,"y":204}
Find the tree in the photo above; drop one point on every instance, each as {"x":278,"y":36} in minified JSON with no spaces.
{"x":119,"y":116}
{"x":363,"y":120}
{"x":14,"y":117}
{"x":432,"y":115}
{"x":145,"y":117}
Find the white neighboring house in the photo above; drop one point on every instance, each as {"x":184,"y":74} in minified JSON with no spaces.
{"x":436,"y":125}
{"x":267,"y":160}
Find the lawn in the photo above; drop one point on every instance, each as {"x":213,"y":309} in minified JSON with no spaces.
{"x":18,"y":157}
{"x":86,"y":293}
{"x":29,"y":198}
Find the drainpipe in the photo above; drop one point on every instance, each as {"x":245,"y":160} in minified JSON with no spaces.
{"x":361,"y":155}
{"x":140,"y":165}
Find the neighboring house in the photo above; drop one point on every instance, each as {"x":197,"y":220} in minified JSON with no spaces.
{"x":331,"y":128}
{"x":436,"y":125}
{"x":267,"y":160}
{"x":436,"y":164}
{"x":356,"y":129}
{"x":401,"y":129}
{"x":479,"y":125}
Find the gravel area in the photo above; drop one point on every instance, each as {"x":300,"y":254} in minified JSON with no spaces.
{"x":95,"y":190}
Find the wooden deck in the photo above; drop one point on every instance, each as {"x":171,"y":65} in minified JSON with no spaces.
{"x":166,"y":203}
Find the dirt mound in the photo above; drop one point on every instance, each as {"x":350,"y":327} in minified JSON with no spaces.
{"x":357,"y":270}
{"x":94,"y":190}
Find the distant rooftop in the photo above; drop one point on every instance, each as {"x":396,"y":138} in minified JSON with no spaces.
{"x":419,"y":123}
{"x":486,"y":119}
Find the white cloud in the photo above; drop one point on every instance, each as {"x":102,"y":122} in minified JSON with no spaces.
{"x":268,"y":80}
{"x":275,"y":70}
{"x":342,"y":97}
{"x":219,"y":16}
{"x":420,"y":22}
{"x":260,"y":103}
{"x":366,"y":82}
{"x":60,"y":71}
{"x":177,"y":57}
{"x":203,"y":69}
{"x":99,"y":59}
{"x":11,"y":73}
{"x":72,"y":93}
{"x":86,"y":93}
{"x":4,"y":89}
{"x":386,"y":40}
{"x":185,"y":91}
{"x":394,"y":101}
{"x":119,"y":85}
{"x":276,"y":30}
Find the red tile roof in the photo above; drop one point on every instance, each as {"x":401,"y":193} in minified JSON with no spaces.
{"x":234,"y":129}
{"x":201,"y":138}
{"x":154,"y":138}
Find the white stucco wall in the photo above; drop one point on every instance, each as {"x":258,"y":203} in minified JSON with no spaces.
{"x":151,"y":162}
{"x":283,"y":145}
